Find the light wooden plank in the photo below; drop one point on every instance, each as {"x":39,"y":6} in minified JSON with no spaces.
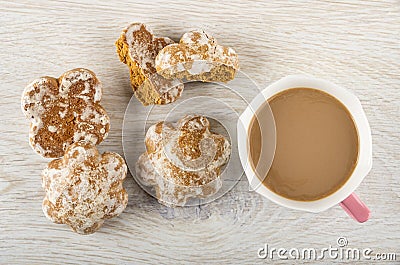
{"x":355,"y":44}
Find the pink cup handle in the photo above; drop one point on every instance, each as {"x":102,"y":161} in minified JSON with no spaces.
{"x":355,"y":208}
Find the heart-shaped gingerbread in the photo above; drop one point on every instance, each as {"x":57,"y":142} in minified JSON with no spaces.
{"x":183,"y":162}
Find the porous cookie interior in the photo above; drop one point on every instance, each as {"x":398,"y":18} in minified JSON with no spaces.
{"x":217,"y":73}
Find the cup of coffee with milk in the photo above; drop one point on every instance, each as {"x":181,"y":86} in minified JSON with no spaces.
{"x":305,"y":143}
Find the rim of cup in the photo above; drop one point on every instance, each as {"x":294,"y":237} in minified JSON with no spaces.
{"x":349,"y":100}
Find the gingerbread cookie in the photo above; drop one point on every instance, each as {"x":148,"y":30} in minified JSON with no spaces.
{"x":138,"y":47}
{"x":183,"y":162}
{"x":63,"y":111}
{"x":197,"y":57}
{"x":84,"y":188}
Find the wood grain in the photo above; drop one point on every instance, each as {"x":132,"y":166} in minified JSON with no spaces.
{"x":355,"y":44}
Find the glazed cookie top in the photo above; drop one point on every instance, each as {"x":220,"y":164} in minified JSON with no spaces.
{"x":144,"y":46}
{"x":64,"y":110}
{"x":196,"y":52}
{"x":84,"y":187}
{"x":188,"y":155}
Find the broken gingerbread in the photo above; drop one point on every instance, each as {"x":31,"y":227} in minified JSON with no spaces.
{"x":197,"y":57}
{"x":137,"y":47}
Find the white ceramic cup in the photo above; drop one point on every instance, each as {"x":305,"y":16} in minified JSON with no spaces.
{"x":344,"y":195}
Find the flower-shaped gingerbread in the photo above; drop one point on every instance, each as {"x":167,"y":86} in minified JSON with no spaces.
{"x":197,"y":56}
{"x":84,"y":188}
{"x":183,"y":162}
{"x":63,"y":111}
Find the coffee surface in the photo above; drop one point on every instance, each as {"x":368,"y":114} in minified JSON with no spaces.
{"x":317,"y":144}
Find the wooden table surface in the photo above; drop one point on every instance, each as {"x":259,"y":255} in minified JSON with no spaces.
{"x":355,"y":44}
